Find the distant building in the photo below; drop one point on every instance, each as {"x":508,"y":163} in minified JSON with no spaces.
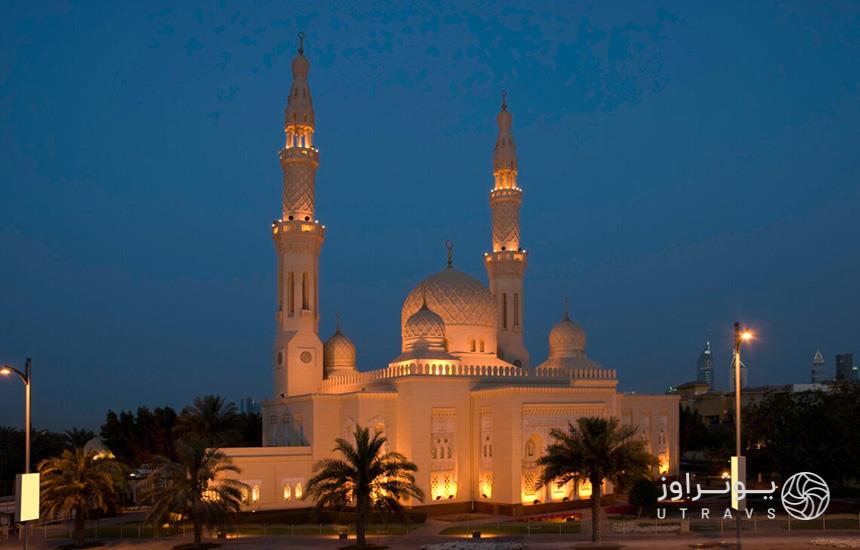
{"x":719,"y":407}
{"x":732,"y":376}
{"x":705,"y":366}
{"x":819,"y":369}
{"x":248,"y":406}
{"x":845,"y":367}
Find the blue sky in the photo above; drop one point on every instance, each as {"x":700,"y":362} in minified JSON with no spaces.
{"x":684,"y":165}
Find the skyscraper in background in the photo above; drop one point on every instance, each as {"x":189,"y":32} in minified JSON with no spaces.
{"x":845,"y":368}
{"x":705,"y":366}
{"x":819,"y":369}
{"x":732,"y":376}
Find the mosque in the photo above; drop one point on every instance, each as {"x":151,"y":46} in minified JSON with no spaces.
{"x":464,"y":401}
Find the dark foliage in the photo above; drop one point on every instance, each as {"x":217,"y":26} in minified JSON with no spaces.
{"x":140,"y":438}
{"x":811,"y":431}
{"x":44,"y":444}
{"x":643,"y":494}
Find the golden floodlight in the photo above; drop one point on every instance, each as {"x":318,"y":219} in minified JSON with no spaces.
{"x":746,"y":336}
{"x":5,"y":371}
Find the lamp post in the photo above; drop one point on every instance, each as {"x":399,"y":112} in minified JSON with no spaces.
{"x":27,"y":378}
{"x":739,"y":468}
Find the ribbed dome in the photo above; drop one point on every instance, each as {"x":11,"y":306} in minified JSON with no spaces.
{"x":566,"y":339}
{"x":458,"y":298}
{"x":424,"y":329}
{"x":338,"y":353}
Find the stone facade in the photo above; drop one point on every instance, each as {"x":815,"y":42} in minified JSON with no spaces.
{"x":461,"y":400}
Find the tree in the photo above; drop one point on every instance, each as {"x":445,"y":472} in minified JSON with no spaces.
{"x":75,"y":483}
{"x":643,"y":494}
{"x":142,"y":437}
{"x":365,"y":476}
{"x":195,"y":487}
{"x":812,"y":431}
{"x":212,"y":420}
{"x":596,"y":449}
{"x":78,"y":437}
{"x":251,"y":429}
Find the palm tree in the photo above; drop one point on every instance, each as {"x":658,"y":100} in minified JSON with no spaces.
{"x":75,"y":483}
{"x":78,"y":437}
{"x":596,"y":449}
{"x":194,"y":488}
{"x":366,"y":476}
{"x":212,"y":420}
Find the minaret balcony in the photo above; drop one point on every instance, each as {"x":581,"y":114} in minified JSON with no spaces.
{"x":297,"y":227}
{"x":506,"y":194}
{"x":299,"y":153}
{"x":500,"y":256}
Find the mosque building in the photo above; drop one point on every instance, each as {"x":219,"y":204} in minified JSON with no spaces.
{"x":463,"y":400}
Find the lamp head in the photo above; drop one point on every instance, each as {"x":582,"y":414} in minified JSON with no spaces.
{"x":5,"y":371}
{"x":746,"y":336}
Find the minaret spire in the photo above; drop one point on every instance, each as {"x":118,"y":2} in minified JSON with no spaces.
{"x":298,"y":240}
{"x":506,"y":264}
{"x":299,"y":119}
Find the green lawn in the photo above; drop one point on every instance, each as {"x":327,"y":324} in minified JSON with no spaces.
{"x":516,"y":528}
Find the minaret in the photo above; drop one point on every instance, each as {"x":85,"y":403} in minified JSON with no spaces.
{"x":506,"y":264}
{"x":298,"y":236}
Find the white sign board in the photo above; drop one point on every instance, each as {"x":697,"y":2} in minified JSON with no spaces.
{"x":27,"y":497}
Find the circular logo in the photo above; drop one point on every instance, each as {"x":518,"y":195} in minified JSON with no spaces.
{"x":805,"y":495}
{"x":306,"y":357}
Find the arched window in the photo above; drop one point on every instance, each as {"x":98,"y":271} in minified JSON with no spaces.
{"x":255,"y":493}
{"x":291,"y":292}
{"x":305,"y":302}
{"x":288,"y":493}
{"x":516,"y":309}
{"x":472,"y":344}
{"x":298,"y":490}
{"x":504,"y":311}
{"x":530,"y":448}
{"x":482,"y":345}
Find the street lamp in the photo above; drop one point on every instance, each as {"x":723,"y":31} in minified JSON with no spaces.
{"x":27,"y":378}
{"x":739,"y":465}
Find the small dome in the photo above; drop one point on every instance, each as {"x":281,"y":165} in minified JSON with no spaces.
{"x":96,"y":446}
{"x":459,"y":299}
{"x":566,"y":339}
{"x":338,"y":353}
{"x":424,"y":329}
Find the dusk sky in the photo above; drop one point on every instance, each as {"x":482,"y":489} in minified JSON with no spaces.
{"x":684,"y":165}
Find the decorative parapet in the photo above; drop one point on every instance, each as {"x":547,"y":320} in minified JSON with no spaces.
{"x":506,"y":193}
{"x":280,"y":227}
{"x":299,"y":153}
{"x":495,"y":372}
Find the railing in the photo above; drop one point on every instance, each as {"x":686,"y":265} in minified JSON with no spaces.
{"x":483,"y":371}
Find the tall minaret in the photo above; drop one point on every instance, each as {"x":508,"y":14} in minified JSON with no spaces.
{"x":298,"y":236}
{"x":506,"y":264}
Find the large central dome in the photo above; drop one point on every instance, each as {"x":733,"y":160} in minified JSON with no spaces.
{"x":458,"y":298}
